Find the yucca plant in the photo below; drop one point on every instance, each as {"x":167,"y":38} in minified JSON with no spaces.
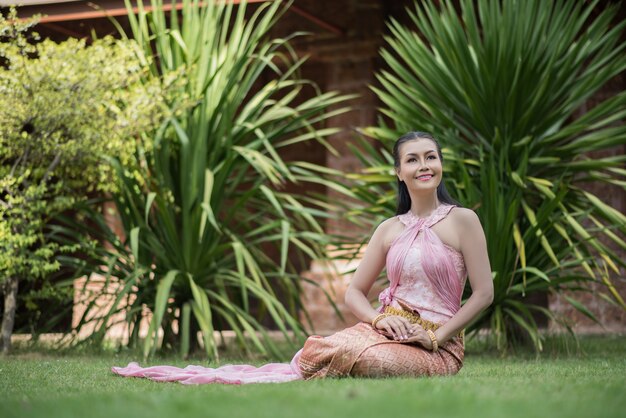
{"x":212,"y":239}
{"x":502,"y":84}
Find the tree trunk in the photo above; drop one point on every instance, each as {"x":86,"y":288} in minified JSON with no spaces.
{"x":8,"y":317}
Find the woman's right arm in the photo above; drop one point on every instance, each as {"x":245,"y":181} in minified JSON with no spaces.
{"x":364,"y":277}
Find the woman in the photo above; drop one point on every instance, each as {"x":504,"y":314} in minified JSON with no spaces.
{"x":429,"y":248}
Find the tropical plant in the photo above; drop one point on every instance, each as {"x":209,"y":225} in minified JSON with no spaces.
{"x":504,"y":85}
{"x":63,"y":106}
{"x":213,"y":238}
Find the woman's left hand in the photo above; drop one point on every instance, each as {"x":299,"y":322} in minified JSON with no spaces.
{"x":417,"y":334}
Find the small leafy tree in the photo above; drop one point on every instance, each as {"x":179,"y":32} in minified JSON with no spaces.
{"x":501,"y":83}
{"x":64,"y":107}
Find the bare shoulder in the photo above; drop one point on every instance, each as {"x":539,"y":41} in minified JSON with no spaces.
{"x":389,"y":223}
{"x":464,"y":218}
{"x":469,"y":231}
{"x":387,"y":231}
{"x":391,"y":226}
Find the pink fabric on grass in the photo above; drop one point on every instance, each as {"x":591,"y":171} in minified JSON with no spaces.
{"x":229,"y":374}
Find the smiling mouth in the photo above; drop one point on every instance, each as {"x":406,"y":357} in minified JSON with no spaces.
{"x":425,"y":177}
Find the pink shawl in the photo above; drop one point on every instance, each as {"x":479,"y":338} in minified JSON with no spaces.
{"x":229,"y":374}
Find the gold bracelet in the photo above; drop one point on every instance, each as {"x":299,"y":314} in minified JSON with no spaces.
{"x":378,"y":318}
{"x":433,"y":339}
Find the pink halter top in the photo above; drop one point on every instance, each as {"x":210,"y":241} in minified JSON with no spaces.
{"x":423,"y":272}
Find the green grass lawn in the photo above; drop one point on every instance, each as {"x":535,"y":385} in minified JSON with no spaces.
{"x":587,"y":383}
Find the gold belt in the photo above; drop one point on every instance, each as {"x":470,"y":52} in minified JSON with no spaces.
{"x":415,"y":318}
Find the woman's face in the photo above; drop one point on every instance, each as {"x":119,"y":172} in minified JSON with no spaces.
{"x":420,"y":165}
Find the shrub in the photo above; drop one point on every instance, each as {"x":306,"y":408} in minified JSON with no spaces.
{"x":208,"y":206}
{"x":64,"y":107}
{"x":501,"y":84}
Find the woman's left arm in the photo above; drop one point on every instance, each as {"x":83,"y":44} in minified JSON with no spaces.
{"x":473,"y":246}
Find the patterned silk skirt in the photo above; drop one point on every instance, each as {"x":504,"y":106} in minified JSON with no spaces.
{"x":361,"y":351}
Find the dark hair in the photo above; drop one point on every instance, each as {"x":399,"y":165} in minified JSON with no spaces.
{"x":404,"y":199}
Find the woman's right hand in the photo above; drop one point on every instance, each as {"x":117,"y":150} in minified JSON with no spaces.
{"x":397,"y":326}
